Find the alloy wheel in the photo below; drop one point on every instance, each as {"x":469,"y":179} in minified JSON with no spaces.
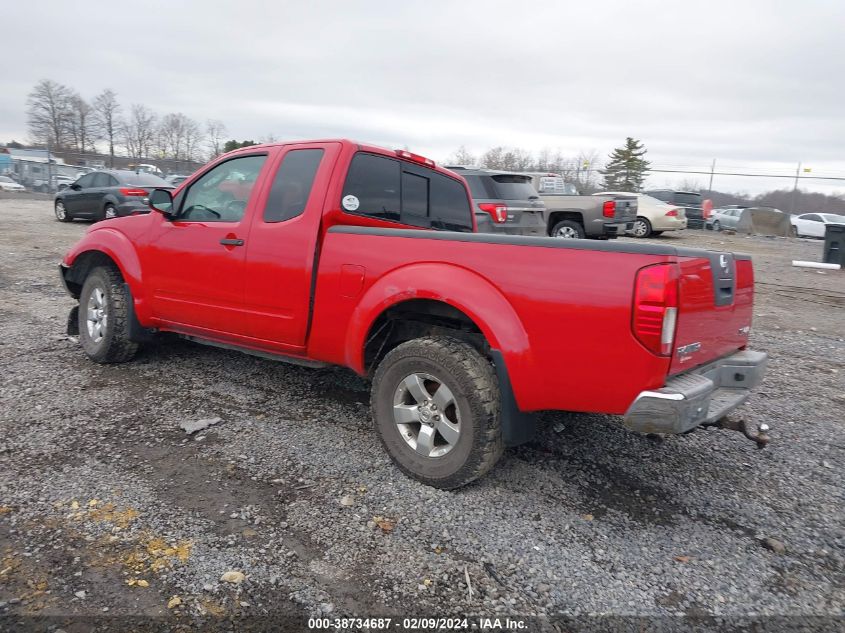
{"x":567,"y":233}
{"x":61,"y":213}
{"x":426,"y":415}
{"x":97,"y":314}
{"x":640,"y":228}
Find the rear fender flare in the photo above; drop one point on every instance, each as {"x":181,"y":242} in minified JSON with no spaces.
{"x":458,"y":287}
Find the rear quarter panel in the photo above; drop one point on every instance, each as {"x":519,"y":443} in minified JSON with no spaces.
{"x":561,"y":316}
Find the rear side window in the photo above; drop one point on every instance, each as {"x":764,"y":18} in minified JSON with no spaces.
{"x":292,"y":184}
{"x":374,"y":182}
{"x":101,"y":180}
{"x":390,"y":189}
{"x":514,"y":187}
{"x":478,"y":187}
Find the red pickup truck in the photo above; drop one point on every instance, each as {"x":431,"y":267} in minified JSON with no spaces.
{"x":347,"y":254}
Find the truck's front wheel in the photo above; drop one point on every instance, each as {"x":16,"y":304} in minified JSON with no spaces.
{"x":104,"y":317}
{"x":435,"y":405}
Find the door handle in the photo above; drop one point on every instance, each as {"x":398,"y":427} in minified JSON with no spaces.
{"x":229,"y":241}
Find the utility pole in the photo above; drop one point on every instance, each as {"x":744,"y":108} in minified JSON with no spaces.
{"x":795,"y":187}
{"x":712,"y":169}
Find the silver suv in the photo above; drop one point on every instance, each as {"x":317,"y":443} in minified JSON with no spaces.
{"x":504,"y":202}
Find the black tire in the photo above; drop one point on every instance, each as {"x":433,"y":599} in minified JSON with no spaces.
{"x":61,"y":212}
{"x":109,"y":211}
{"x":716,"y":225}
{"x":568,"y":230}
{"x":656,"y":233}
{"x":642,"y":227}
{"x":113,"y":344}
{"x":472,"y":381}
{"x":795,"y":232}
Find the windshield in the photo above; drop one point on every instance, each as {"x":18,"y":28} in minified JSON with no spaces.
{"x":509,"y":187}
{"x":5,"y":179}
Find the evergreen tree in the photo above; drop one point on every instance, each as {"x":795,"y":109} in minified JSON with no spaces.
{"x":626,"y":169}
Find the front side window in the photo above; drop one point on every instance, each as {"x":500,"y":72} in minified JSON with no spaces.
{"x":221,"y":195}
{"x":292,"y":185}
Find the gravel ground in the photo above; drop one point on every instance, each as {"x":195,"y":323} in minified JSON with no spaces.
{"x":108,"y":507}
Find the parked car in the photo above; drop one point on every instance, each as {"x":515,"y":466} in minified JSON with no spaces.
{"x":63,"y":182}
{"x":463,"y":334}
{"x":814,"y":224}
{"x":724,"y":218}
{"x":106,"y":194}
{"x":7,"y":184}
{"x":504,"y":202}
{"x":653,"y":216}
{"x":145,"y":168}
{"x":690,"y":201}
{"x":176,"y":179}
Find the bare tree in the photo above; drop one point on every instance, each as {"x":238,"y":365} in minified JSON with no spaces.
{"x":493,"y":158}
{"x":462,"y":156}
{"x":48,"y":113}
{"x":107,"y":116}
{"x":193,"y":140}
{"x":81,"y":124}
{"x":215,"y":131}
{"x":139,"y":131}
{"x":178,"y":137}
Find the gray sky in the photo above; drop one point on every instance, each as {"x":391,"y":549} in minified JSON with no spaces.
{"x":756,"y":85}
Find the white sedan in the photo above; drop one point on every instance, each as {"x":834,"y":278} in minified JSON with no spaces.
{"x":653,"y":216}
{"x":7,"y":184}
{"x":813,"y":224}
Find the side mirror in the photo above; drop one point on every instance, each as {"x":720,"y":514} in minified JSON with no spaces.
{"x":75,"y":186}
{"x":161,"y":200}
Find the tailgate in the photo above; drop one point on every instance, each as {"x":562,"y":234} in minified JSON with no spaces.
{"x":715,"y":309}
{"x":626,"y":208}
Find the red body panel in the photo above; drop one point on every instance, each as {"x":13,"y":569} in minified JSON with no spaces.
{"x":717,"y":329}
{"x":562,"y":317}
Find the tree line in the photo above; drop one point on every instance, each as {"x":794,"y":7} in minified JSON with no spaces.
{"x":625,"y":170}
{"x":59,"y":117}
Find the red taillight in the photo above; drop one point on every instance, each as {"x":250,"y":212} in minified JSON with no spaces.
{"x":497,"y":211}
{"x":415,"y":157}
{"x":672,"y":213}
{"x":608,"y":209}
{"x":133,"y":191}
{"x":656,"y":307}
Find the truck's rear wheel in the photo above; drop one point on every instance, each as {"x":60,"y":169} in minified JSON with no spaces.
{"x":435,"y":405}
{"x":568,"y":230}
{"x":104,"y":317}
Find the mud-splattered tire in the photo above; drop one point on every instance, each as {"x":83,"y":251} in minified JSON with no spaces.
{"x":104,"y":317}
{"x":473,"y":413}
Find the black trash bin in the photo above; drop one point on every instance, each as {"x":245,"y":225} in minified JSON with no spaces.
{"x":834,"y":245}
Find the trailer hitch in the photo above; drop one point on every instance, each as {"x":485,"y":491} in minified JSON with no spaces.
{"x":759,"y":435}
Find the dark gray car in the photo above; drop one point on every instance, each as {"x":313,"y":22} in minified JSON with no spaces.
{"x":107,"y":194}
{"x":504,"y":202}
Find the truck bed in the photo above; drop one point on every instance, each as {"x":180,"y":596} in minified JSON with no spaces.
{"x":571,"y":301}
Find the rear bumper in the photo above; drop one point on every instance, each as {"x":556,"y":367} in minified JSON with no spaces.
{"x":701,"y":396}
{"x":132,"y":207}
